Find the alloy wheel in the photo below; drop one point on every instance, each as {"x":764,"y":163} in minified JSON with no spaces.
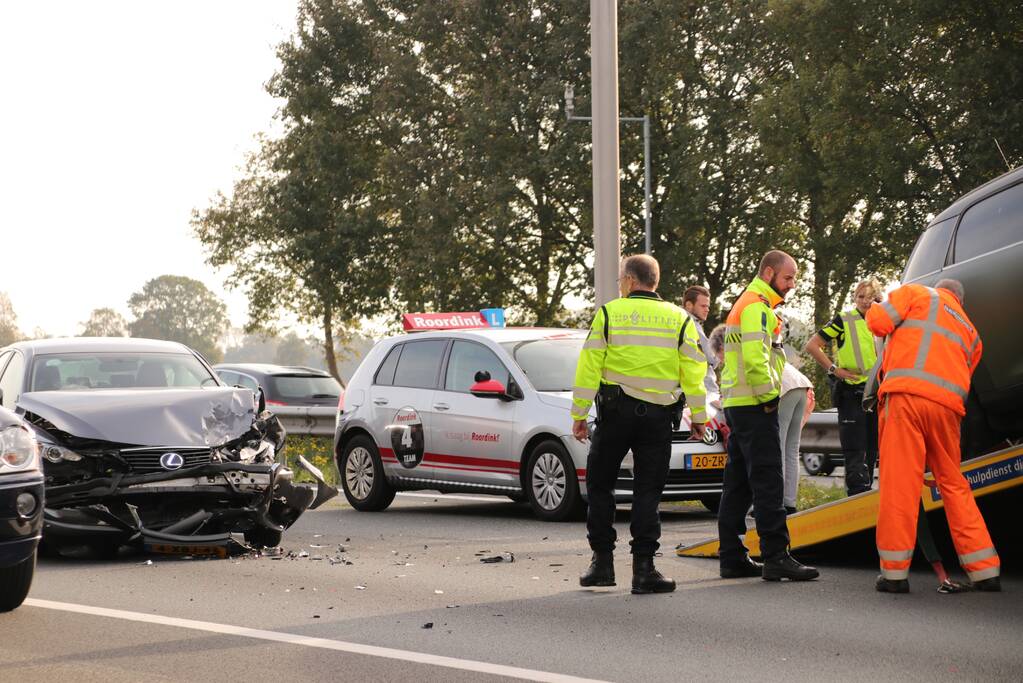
{"x":359,"y":472}
{"x":549,"y":481}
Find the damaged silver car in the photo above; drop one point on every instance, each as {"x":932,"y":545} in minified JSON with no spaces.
{"x":143,"y":445}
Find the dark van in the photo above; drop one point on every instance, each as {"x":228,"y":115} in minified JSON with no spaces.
{"x":978,"y":240}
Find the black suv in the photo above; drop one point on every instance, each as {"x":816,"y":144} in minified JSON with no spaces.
{"x":283,"y":385}
{"x":978,"y":240}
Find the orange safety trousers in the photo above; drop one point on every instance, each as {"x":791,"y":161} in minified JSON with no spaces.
{"x":915,"y":431}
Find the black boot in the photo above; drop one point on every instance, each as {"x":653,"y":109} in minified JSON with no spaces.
{"x":742,"y":569}
{"x":992,"y":585}
{"x":646,"y":579}
{"x":601,"y":571}
{"x":785,"y":566}
{"x":883,"y":585}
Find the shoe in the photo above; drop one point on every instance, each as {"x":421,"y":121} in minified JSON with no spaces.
{"x":992,"y":585}
{"x":601,"y":571}
{"x":787,"y":567}
{"x":646,"y":579}
{"x":741,"y":570}
{"x":884,"y":585}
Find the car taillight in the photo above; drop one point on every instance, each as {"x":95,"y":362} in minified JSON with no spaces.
{"x":276,"y":403}
{"x":341,"y":402}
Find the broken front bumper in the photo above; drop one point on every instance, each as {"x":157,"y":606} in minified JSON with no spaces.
{"x":199,"y":507}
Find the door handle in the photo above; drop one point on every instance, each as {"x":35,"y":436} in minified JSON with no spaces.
{"x":441,"y":406}
{"x":380,"y":401}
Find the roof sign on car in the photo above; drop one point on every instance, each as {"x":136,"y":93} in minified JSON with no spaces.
{"x":489,"y":317}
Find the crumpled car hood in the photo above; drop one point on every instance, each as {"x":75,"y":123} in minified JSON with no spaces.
{"x":158,"y":417}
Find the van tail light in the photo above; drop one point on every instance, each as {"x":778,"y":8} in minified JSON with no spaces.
{"x":276,"y":403}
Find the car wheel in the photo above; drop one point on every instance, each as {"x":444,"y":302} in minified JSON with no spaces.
{"x":813,"y":463}
{"x":712,"y":503}
{"x":552,"y":485}
{"x":362,"y":476}
{"x":263,"y":538}
{"x":15,"y":582}
{"x":827,"y":466}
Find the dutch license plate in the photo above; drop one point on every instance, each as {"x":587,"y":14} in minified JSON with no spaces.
{"x":708,"y":461}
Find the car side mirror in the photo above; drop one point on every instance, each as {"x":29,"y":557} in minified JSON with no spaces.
{"x":489,"y":388}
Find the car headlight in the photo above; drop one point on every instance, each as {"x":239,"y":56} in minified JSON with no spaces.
{"x":55,"y":454}
{"x":18,"y":450}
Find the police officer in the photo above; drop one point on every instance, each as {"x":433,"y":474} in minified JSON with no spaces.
{"x":641,"y":354}
{"x":750,"y":386}
{"x":857,"y":353}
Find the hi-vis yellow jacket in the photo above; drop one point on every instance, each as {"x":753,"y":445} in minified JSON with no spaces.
{"x":753,"y":364}
{"x":647,"y":346}
{"x":857,"y":346}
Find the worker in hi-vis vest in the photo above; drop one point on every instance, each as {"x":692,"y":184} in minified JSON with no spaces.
{"x":750,"y":390}
{"x":856,"y":353}
{"x":642,"y":353}
{"x":932,"y":351}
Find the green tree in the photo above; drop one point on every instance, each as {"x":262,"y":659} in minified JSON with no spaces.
{"x":180,"y":309}
{"x":105,"y":322}
{"x":9,"y":332}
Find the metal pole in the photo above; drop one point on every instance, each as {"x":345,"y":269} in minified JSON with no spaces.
{"x":646,"y":179}
{"x":606,"y":226}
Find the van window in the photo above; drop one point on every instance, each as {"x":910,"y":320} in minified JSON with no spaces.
{"x":468,"y":358}
{"x":419,"y":364}
{"x":991,"y":224}
{"x":930,"y":250}
{"x":385,"y":374}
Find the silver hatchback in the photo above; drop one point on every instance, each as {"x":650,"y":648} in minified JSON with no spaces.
{"x":409,"y":420}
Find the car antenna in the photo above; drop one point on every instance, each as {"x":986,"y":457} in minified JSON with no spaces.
{"x":1002,"y":153}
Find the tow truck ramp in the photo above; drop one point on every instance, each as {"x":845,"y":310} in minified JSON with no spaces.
{"x":987,"y":474}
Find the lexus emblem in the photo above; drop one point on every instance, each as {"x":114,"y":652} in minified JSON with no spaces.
{"x":171,"y":461}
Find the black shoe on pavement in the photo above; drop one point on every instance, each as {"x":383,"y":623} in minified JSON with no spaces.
{"x":884,"y":585}
{"x":646,"y":579}
{"x":787,"y":567}
{"x":601,"y":571}
{"x":992,"y":585}
{"x":742,"y":570}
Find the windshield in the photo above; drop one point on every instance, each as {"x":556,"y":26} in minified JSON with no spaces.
{"x":118,"y":370}
{"x":305,"y":386}
{"x":548,"y":363}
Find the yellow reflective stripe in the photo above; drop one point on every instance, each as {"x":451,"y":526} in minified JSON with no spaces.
{"x":892,"y":313}
{"x":987,"y":573}
{"x":895,"y":555}
{"x":673,"y":331}
{"x":696,"y":401}
{"x":739,"y":391}
{"x":641,"y":383}
{"x":692,"y":353}
{"x":854,"y":339}
{"x":595,"y":343}
{"x":657,"y":399}
{"x":927,"y":377}
{"x":584,"y":393}
{"x":977,"y":556}
{"x":643,"y":340}
{"x":754,"y":336}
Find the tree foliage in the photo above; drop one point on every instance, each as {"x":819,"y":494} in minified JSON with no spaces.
{"x":9,"y":332}
{"x":105,"y":322}
{"x":427,"y":164}
{"x":180,"y":309}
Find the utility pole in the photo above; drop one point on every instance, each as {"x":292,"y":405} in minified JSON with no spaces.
{"x":607,"y":248}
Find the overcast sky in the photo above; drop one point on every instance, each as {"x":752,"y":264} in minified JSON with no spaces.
{"x":118,"y":119}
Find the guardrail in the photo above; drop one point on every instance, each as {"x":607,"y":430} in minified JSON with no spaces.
{"x":307,"y":420}
{"x":820,"y":434}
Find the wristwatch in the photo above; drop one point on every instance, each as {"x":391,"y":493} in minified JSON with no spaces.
{"x":831,"y":370}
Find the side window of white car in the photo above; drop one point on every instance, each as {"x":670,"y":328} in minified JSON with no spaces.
{"x":10,"y":383}
{"x":468,"y":358}
{"x":419,"y":364}
{"x":385,"y":374}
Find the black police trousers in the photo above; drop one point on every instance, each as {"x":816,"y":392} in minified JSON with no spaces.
{"x":753,"y":474}
{"x":646,"y":429}
{"x":857,"y":430}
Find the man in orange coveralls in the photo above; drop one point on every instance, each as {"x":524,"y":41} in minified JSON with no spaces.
{"x":932,"y":351}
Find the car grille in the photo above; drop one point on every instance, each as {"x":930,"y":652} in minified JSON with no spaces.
{"x":148,"y":460}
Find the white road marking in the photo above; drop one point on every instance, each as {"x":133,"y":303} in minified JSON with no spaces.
{"x":307,"y":641}
{"x":496,"y":498}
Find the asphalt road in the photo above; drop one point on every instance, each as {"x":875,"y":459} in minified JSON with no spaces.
{"x":303,"y":618}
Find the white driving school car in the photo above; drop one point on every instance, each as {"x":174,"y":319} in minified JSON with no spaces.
{"x":408,"y":420}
